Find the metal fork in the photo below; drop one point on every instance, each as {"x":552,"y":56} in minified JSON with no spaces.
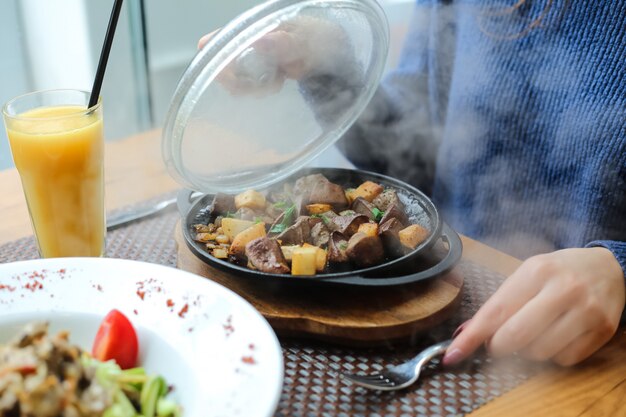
{"x":400,"y":376}
{"x":119,"y":220}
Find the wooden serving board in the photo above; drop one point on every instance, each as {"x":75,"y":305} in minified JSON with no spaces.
{"x":350,"y":315}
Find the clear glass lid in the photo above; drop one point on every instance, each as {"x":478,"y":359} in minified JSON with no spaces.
{"x":272,"y":90}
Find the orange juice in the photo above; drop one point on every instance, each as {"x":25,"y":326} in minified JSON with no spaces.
{"x":59,"y":152}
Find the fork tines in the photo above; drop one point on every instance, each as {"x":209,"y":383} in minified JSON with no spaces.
{"x":372,"y":381}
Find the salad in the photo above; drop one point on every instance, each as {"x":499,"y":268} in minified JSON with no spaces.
{"x":47,"y":376}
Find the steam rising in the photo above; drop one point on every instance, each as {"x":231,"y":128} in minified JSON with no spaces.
{"x":468,"y":110}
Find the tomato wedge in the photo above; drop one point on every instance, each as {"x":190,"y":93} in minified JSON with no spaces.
{"x":116,"y":339}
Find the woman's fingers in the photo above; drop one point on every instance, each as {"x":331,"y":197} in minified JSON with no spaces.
{"x":514,"y":293}
{"x":533,"y":320}
{"x":581,"y":348}
{"x":563,"y":332}
{"x":288,"y":50}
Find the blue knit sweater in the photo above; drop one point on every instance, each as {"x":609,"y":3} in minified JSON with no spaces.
{"x":516,"y":127}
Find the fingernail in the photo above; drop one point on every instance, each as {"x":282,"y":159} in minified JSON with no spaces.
{"x":203,"y":41}
{"x":453,"y":357}
{"x":460,"y":328}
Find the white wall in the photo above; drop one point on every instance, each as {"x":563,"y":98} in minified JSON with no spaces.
{"x":14,"y":73}
{"x":173,"y":30}
{"x":122,"y":86}
{"x":57,"y":43}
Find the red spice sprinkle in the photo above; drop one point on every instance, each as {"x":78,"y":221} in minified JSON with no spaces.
{"x":147,"y":287}
{"x":135,"y":311}
{"x":251,"y":346}
{"x":35,"y":275}
{"x":228,"y":327}
{"x":61,"y":271}
{"x":170,"y":303}
{"x":7,"y":287}
{"x":249,"y":360}
{"x":190,"y":329}
{"x":34,"y":286}
{"x":183,"y":311}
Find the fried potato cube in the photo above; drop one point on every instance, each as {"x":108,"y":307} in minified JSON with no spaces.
{"x":238,"y":247}
{"x":318,"y":208}
{"x":368,"y":190}
{"x":205,"y":237}
{"x":232,"y":227}
{"x":204,"y":228}
{"x":321,"y":257}
{"x":288,"y":251}
{"x":222,"y":239}
{"x":304,"y":261}
{"x":321,"y":260}
{"x":370,"y":229}
{"x":413,"y":235}
{"x":251,"y":199}
{"x":220,"y":253}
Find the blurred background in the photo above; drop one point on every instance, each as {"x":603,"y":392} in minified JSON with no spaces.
{"x":56,"y":44}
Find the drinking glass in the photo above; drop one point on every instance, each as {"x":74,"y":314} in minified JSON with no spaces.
{"x":57,"y":145}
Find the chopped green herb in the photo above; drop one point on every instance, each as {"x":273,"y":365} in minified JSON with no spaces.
{"x":278,"y":228}
{"x":287,"y":220}
{"x":230,"y":215}
{"x":258,"y":220}
{"x":343,"y":246}
{"x":281,"y":204}
{"x":378,"y":214}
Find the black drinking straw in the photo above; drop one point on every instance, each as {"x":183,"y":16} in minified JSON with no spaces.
{"x":104,"y":55}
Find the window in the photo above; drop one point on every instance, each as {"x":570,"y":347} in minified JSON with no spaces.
{"x":56,"y":44}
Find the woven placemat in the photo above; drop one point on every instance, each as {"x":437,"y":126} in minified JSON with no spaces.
{"x":312,"y":386}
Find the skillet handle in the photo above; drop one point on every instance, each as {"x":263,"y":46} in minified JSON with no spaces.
{"x":455,"y":250}
{"x":184,"y":200}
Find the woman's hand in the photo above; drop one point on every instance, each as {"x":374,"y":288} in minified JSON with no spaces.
{"x":561,"y":306}
{"x":295,"y":50}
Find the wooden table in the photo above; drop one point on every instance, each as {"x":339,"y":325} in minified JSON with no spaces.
{"x":135,"y":172}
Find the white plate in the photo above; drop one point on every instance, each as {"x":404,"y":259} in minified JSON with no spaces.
{"x":220,"y":354}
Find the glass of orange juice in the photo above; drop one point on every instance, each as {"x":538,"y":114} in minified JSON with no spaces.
{"x":58,"y":149}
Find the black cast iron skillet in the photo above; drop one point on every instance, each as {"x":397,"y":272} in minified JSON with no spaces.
{"x":418,"y":265}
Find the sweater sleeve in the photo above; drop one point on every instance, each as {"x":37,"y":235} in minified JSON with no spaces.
{"x":619,"y":251}
{"x":616,"y":247}
{"x":400,"y":131}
